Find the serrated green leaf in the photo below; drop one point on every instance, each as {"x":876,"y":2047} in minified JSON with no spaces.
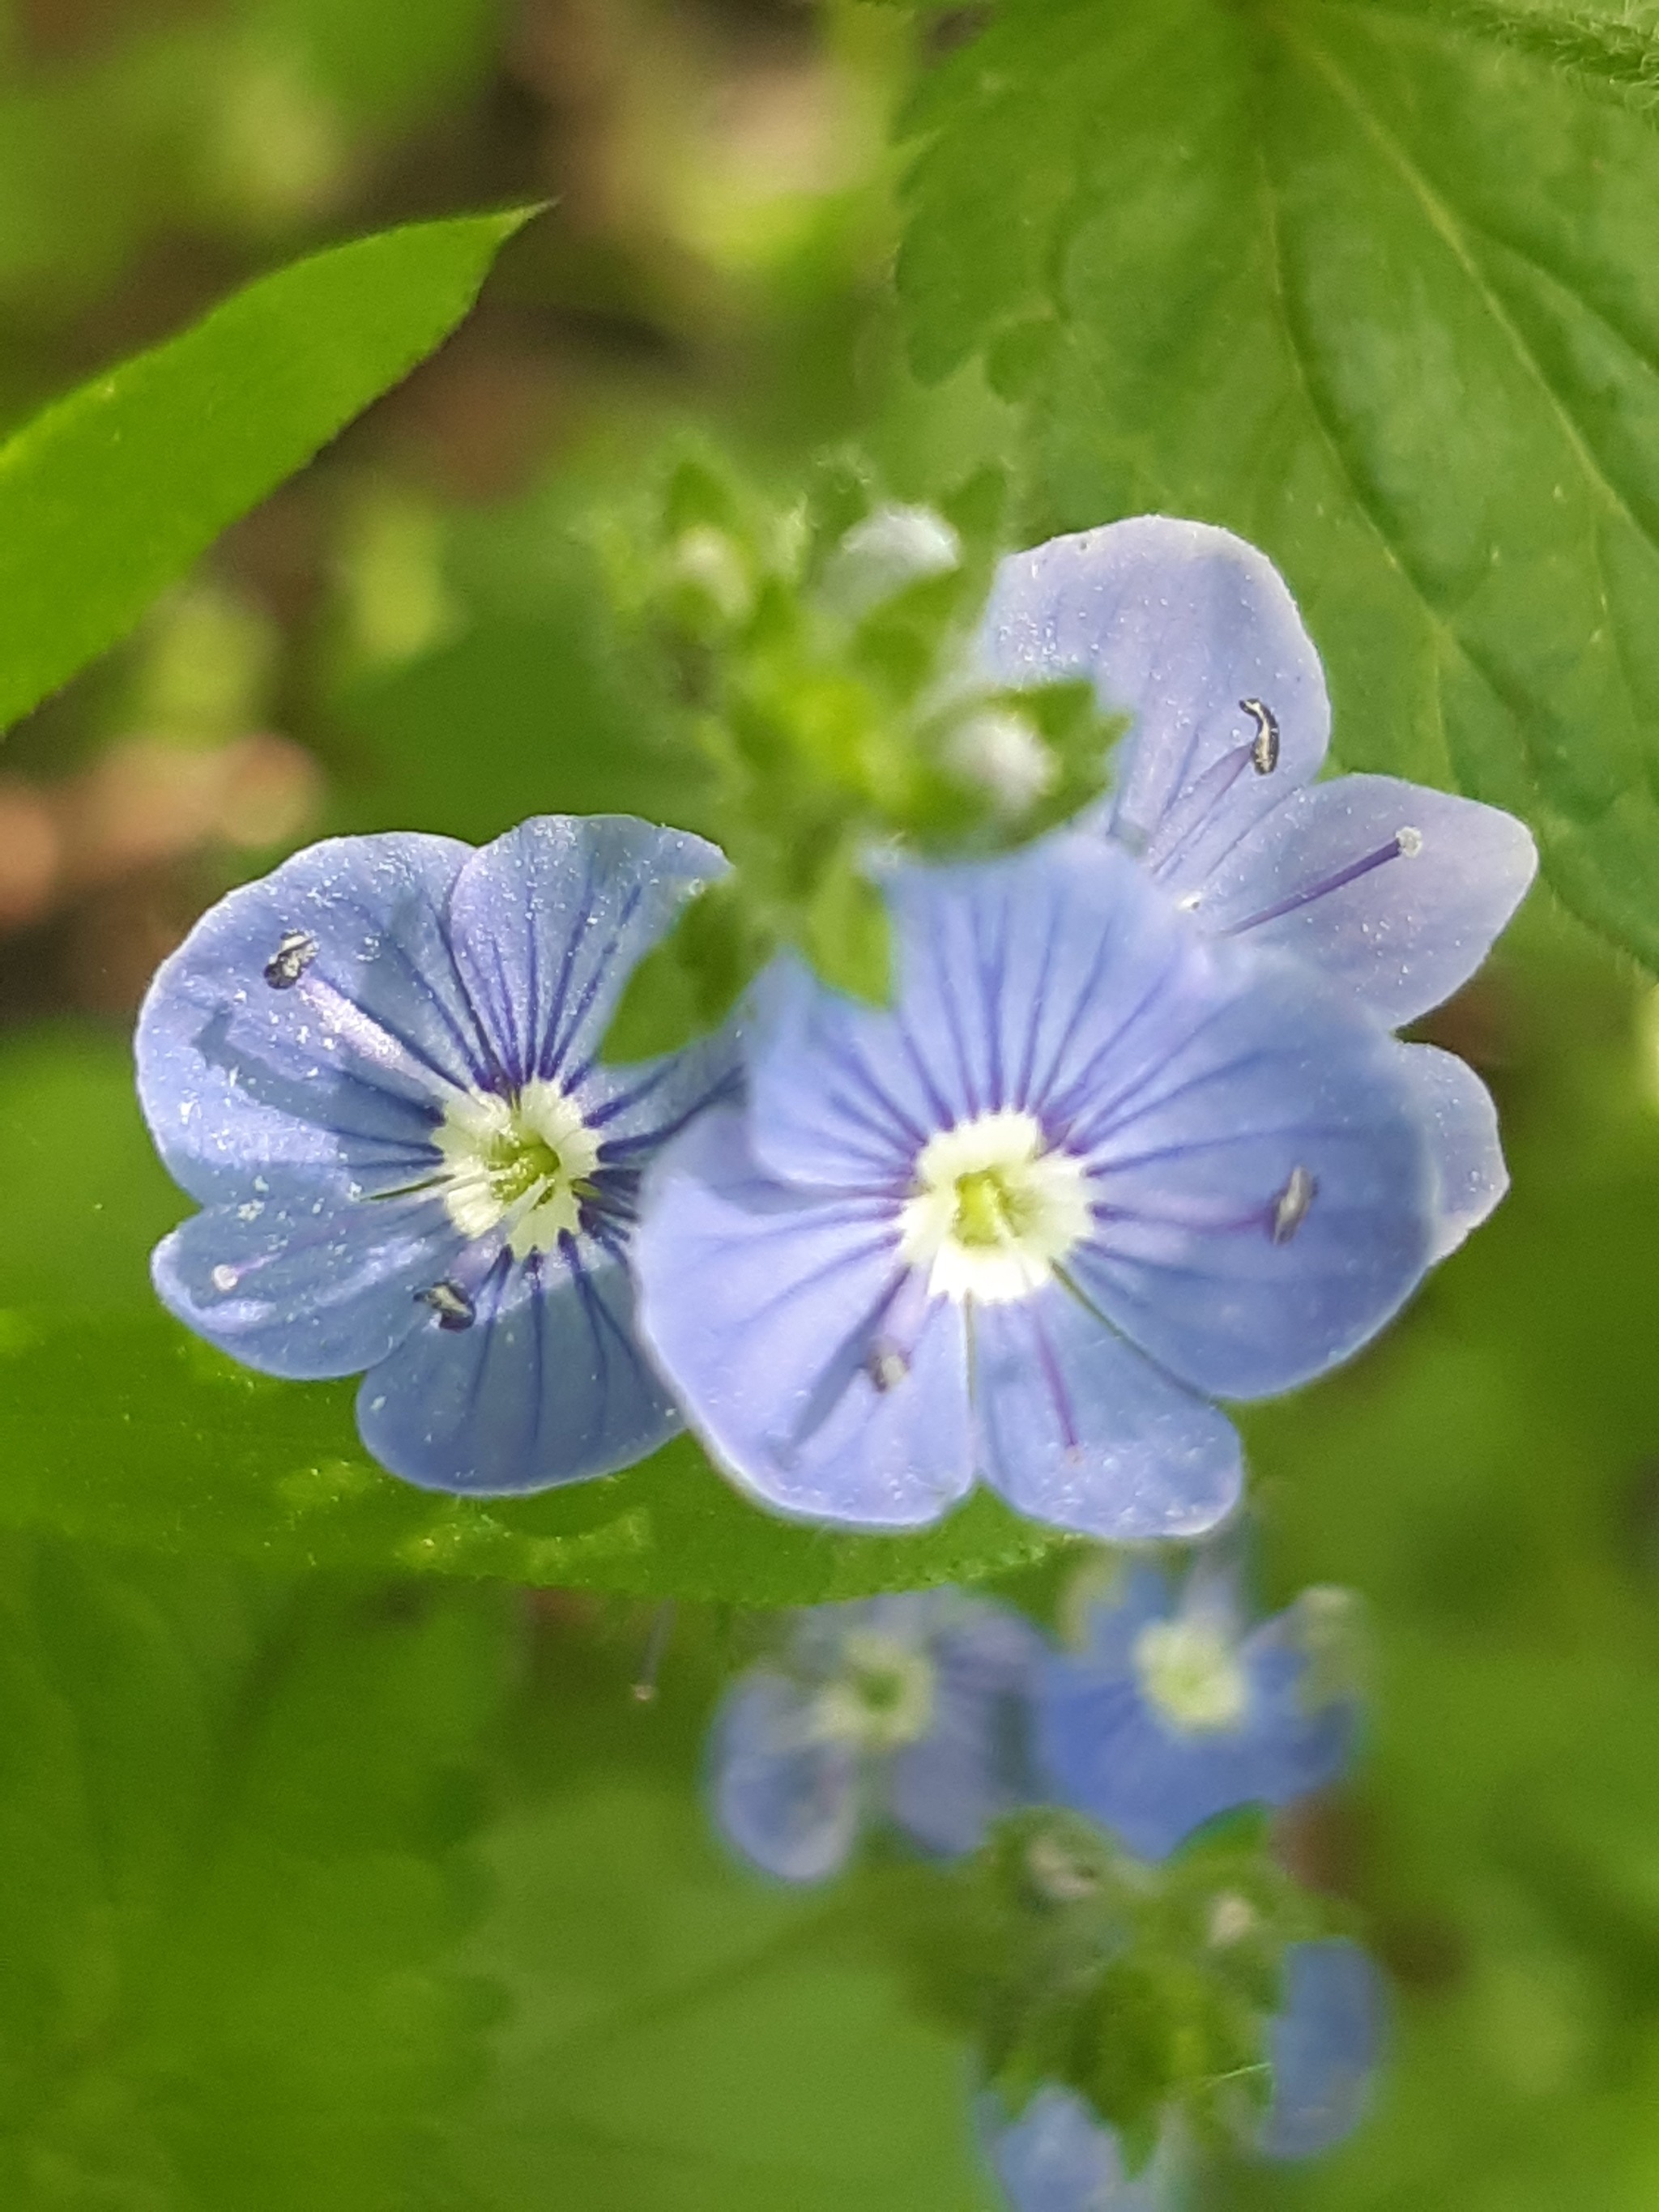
{"x":113,"y":492}
{"x":1380,"y":296}
{"x":1616,"y":46}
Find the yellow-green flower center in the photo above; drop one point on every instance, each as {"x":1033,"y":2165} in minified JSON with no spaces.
{"x":523,"y":1162}
{"x":881,"y":1698}
{"x":1190,"y":1676}
{"x":994,"y":1208}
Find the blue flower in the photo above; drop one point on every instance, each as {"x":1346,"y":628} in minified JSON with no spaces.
{"x":1394,"y":891}
{"x":1175,"y":1711}
{"x":1089,"y":1170}
{"x":1058,"y":2156}
{"x":375,"y":1070}
{"x":913,"y":1707}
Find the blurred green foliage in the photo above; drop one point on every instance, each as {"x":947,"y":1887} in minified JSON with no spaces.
{"x":336,"y":1868}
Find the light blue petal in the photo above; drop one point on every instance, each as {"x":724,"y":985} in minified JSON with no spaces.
{"x":1323,"y":2046}
{"x":548,"y":1385}
{"x":1014,"y":976}
{"x":1260,"y":1076}
{"x":1078,"y":1430}
{"x":1447,"y":873}
{"x":236,"y":1077}
{"x":762,"y":1304}
{"x":843,"y":1099}
{"x":548,"y":924}
{"x":1141,"y":1594}
{"x":1177,"y":624}
{"x":786,"y":1800}
{"x":1058,"y":2156}
{"x":974,"y":1763}
{"x":1456,"y":1113}
{"x":306,"y":1286}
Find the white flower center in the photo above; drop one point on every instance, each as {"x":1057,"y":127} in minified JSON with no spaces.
{"x":1190,"y":1676}
{"x":523,"y":1161}
{"x":993,"y":1212}
{"x":882,"y":1696}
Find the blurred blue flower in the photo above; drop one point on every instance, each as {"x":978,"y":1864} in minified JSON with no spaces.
{"x":1394,"y":891}
{"x":913,"y":1708}
{"x":1323,"y":2046}
{"x":1177,"y":1711}
{"x":1089,"y":1170}
{"x":375,"y":1070}
{"x":1059,"y":2156}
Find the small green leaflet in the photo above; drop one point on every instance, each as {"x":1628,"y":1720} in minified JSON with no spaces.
{"x":1377,"y":289}
{"x":111,"y":493}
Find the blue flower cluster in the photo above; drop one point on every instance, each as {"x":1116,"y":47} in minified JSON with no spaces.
{"x":935,"y":1715}
{"x":1057,"y":2156}
{"x":1134,"y":1135}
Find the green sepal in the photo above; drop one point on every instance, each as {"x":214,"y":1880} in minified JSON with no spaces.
{"x":689,"y":983}
{"x":847,"y":936}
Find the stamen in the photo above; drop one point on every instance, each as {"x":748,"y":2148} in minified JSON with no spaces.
{"x":1264,"y":749}
{"x":1405,"y":844}
{"x":885,"y":1364}
{"x":1290,"y":1206}
{"x":643,"y":1690}
{"x":225,"y":1279}
{"x":451,"y":1304}
{"x":294,"y":953}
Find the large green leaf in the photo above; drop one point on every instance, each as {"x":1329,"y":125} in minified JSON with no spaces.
{"x":1379,"y":292}
{"x":118,"y":1425}
{"x":111,"y":493}
{"x":115,"y":1424}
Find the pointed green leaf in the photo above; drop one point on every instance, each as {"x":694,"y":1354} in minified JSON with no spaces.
{"x":113,"y":492}
{"x":688,"y":984}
